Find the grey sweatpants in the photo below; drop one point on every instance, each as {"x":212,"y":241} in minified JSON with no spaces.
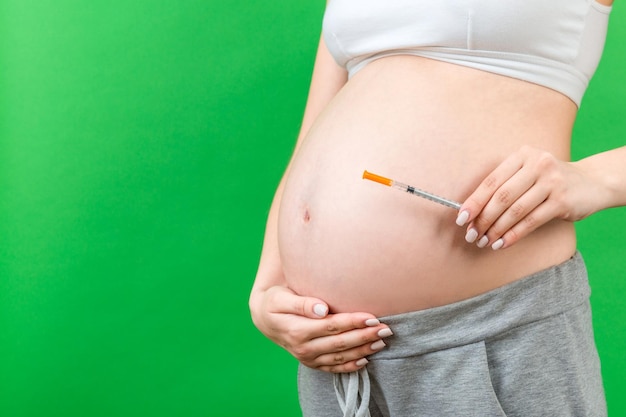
{"x":525,"y":349}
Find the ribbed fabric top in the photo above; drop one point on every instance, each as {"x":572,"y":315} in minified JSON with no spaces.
{"x":556,"y":44}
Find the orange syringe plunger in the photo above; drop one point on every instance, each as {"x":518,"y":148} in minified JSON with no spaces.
{"x":377,"y":178}
{"x":411,"y":190}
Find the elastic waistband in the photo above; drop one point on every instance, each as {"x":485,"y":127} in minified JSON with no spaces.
{"x":530,"y":299}
{"x":533,"y":298}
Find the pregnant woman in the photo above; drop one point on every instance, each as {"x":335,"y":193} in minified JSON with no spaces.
{"x":396,"y":306}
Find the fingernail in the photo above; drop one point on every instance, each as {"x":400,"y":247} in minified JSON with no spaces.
{"x":385,"y":332}
{"x":471,"y":235}
{"x":320,"y":310}
{"x":497,"y":244}
{"x":378,"y":345}
{"x":362,"y":362}
{"x":372,"y":322}
{"x":462,"y":218}
{"x":483,"y":242}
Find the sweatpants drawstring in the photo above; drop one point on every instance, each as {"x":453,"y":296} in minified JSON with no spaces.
{"x":353,"y":393}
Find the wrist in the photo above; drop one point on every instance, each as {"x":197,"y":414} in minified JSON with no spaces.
{"x":606,"y":185}
{"x":255,"y":303}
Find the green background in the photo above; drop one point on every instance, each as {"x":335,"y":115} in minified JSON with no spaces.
{"x":140,"y":144}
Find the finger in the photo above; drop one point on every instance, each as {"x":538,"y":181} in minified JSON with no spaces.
{"x":516,"y":211}
{"x":351,"y":366}
{"x":334,"y":362}
{"x":350,"y":326}
{"x":332,"y":349}
{"x":354,"y":354}
{"x":477,"y":201}
{"x":502,"y":200}
{"x":505,"y":199}
{"x":307,"y":339}
{"x":351,"y":339}
{"x":347,"y":367}
{"x":344,"y":356}
{"x":533,"y":220}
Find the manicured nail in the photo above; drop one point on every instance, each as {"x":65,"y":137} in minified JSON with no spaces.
{"x":378,"y":345}
{"x":462,"y":218}
{"x":362,"y":362}
{"x":483,"y":242}
{"x":497,"y":244}
{"x":385,"y":332}
{"x":471,"y":235}
{"x":372,"y":322}
{"x":320,"y":310}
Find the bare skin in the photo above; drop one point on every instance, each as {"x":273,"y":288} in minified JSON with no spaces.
{"x":363,"y":247}
{"x":336,"y":245}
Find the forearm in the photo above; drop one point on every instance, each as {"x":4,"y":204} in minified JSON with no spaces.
{"x":608,"y":171}
{"x":270,"y":272}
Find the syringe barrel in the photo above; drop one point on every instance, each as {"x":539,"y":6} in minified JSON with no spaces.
{"x":425,"y":194}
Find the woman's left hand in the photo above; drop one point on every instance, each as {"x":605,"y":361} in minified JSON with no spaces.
{"x":527,"y":190}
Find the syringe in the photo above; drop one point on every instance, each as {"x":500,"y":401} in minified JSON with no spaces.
{"x":412,"y":190}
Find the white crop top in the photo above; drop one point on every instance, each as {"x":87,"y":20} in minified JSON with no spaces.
{"x":555,"y":43}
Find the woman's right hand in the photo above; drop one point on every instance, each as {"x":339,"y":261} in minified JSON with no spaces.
{"x":327,"y":342}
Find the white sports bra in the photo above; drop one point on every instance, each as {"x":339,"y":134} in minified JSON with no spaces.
{"x":555,"y":43}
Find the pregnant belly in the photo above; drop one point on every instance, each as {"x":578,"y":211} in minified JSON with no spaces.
{"x":361,"y":246}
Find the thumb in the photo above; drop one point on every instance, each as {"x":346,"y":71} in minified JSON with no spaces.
{"x":286,"y":301}
{"x":320,"y":309}
{"x":311,"y":307}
